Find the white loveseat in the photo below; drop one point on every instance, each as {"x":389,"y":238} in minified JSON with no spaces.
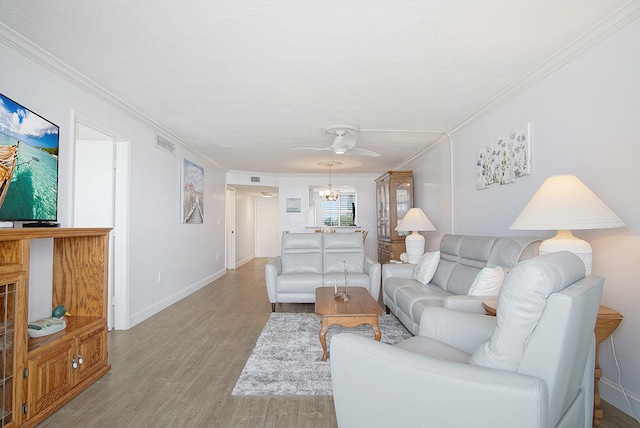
{"x":462,"y":257}
{"x":312,"y":260}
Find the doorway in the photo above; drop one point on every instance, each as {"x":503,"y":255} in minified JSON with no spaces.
{"x":267,"y":235}
{"x":101,"y":199}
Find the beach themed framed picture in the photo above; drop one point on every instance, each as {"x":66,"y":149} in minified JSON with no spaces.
{"x":192,"y":185}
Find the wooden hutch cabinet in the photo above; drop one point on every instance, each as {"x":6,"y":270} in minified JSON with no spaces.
{"x":394,"y":197}
{"x":39,"y":375}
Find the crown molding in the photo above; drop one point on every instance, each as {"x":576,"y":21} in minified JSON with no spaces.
{"x":600,"y":31}
{"x":609,"y":25}
{"x":26,"y":47}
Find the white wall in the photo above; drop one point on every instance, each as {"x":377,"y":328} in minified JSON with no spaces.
{"x":267,"y":220}
{"x":432,"y":190}
{"x":185,"y":254}
{"x":585,"y":122}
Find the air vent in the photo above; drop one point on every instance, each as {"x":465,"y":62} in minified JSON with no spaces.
{"x":165,"y":145}
{"x":255,"y":179}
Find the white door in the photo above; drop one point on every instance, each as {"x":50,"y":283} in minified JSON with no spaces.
{"x":94,"y":189}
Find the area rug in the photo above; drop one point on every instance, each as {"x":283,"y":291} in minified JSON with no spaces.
{"x":286,"y":358}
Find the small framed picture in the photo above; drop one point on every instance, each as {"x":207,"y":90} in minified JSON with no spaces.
{"x":294,"y":205}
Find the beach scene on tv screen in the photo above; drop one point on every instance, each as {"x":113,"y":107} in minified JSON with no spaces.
{"x":28,"y":164}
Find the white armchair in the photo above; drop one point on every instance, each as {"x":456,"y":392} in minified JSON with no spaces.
{"x":530,"y":366}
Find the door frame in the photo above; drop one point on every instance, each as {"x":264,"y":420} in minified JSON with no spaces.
{"x":230,"y":215}
{"x":118,"y":294}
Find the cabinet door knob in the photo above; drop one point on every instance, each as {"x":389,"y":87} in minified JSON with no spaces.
{"x":74,"y":364}
{"x":79,"y":358}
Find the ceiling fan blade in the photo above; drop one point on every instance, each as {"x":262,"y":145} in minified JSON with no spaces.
{"x":311,"y":148}
{"x":361,"y":152}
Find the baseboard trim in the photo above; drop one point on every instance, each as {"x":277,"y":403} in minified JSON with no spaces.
{"x":612,"y":394}
{"x":170,"y":300}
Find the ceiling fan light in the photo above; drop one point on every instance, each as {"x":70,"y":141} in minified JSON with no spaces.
{"x":337,"y":145}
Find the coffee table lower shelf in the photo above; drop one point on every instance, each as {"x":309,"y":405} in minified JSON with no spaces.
{"x":359,"y":309}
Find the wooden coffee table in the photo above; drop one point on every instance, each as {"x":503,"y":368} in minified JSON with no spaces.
{"x":359,"y":309}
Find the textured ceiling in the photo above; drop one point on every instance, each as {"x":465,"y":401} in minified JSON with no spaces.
{"x":246,"y":81}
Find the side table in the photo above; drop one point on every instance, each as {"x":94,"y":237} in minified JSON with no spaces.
{"x":606,"y":323}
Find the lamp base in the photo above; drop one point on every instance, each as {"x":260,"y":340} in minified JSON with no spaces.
{"x":415,"y":247}
{"x":566,"y":241}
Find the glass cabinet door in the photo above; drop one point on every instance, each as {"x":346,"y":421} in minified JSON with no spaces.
{"x":382,"y":199}
{"x":386,"y":215}
{"x":7,"y":334}
{"x":380,"y":209}
{"x":403,"y":203}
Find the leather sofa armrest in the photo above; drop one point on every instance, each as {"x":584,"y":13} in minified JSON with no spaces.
{"x":271,"y":272}
{"x":467,"y":303}
{"x":396,"y":270}
{"x":462,"y":330}
{"x":372,"y":268}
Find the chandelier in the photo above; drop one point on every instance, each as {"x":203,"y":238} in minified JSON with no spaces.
{"x":329,"y":194}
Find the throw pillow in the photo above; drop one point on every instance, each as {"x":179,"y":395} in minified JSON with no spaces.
{"x":487,"y":282}
{"x":426,"y":267}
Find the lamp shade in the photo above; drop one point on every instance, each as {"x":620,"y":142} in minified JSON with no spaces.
{"x":415,"y":220}
{"x":563,"y":202}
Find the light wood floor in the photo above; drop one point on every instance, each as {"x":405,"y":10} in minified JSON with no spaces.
{"x":178,"y":368}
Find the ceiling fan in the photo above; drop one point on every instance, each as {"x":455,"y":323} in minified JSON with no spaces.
{"x":344,"y":142}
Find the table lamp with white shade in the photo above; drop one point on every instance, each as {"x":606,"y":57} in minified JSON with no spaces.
{"x":414,"y":221}
{"x":564,"y":203}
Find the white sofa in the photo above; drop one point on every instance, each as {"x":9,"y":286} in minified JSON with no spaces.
{"x":531,"y":366}
{"x":462,"y":257}
{"x":312,"y":260}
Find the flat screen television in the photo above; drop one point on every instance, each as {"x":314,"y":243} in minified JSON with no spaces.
{"x":28,"y":165}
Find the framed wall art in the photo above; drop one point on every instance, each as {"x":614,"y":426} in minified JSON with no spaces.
{"x":294,"y":205}
{"x":192,"y":185}
{"x":506,"y":160}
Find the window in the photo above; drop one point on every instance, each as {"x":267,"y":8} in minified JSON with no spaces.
{"x":340,"y":212}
